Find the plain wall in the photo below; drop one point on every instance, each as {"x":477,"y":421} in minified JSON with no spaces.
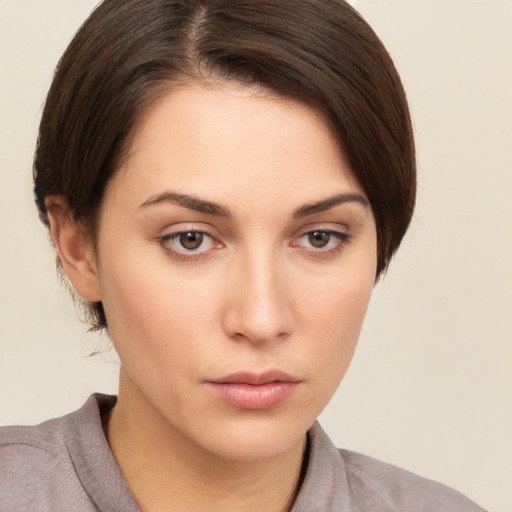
{"x":430,"y":388}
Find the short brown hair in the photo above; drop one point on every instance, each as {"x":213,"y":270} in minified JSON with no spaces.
{"x":129,"y":53}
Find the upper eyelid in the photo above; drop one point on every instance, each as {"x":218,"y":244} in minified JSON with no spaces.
{"x":177,"y":232}
{"x":171,"y":235}
{"x":331,"y":227}
{"x":167,"y":243}
{"x":174,"y":229}
{"x":341,"y":235}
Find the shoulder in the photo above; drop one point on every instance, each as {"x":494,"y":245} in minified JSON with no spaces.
{"x":30,"y":459}
{"x":24,"y":447}
{"x":345,"y":481}
{"x":37,"y":465}
{"x":371,"y":480}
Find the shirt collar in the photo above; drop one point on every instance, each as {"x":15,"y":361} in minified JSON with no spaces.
{"x":325,"y":485}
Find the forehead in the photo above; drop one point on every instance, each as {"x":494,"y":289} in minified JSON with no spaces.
{"x":234,"y":135}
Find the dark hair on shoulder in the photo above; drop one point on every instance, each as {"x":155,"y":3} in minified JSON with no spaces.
{"x":130,"y":53}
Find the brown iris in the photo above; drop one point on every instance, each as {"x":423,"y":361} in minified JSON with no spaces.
{"x":319,"y":239}
{"x":191,"y":240}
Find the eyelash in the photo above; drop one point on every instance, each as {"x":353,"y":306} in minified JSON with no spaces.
{"x":341,"y":239}
{"x":166,"y":242}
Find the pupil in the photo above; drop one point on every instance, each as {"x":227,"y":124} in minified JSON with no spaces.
{"x":191,"y":240}
{"x":319,"y":238}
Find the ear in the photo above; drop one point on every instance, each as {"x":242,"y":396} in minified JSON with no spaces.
{"x":76,"y":253}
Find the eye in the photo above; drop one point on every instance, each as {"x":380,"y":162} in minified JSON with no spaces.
{"x":191,"y":240}
{"x":319,"y":239}
{"x":323,"y":240}
{"x":187,"y":242}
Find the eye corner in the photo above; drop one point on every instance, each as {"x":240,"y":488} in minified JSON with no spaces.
{"x":188,"y":244}
{"x":321,"y":241}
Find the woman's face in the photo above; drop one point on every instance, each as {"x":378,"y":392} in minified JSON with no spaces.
{"x":236,"y":258}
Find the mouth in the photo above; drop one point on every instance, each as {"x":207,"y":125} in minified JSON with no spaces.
{"x":254,"y":391}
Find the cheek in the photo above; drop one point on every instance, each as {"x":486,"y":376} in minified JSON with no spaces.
{"x":339,"y":301}
{"x":330,"y":322}
{"x":152,"y":312}
{"x":334,"y":315}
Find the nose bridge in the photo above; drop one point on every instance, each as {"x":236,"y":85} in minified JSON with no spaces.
{"x":259,"y":307}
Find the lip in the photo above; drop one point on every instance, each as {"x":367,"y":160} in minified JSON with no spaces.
{"x":254,"y":391}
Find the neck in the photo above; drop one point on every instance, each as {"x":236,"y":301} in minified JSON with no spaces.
{"x":167,"y":471}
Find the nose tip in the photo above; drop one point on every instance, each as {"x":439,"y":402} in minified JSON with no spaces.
{"x":260,"y":328}
{"x":259,"y":308}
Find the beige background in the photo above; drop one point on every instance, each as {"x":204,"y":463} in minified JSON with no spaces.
{"x":430,"y":388}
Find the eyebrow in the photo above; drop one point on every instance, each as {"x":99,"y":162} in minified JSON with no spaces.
{"x":190,"y":202}
{"x":210,"y":208}
{"x":328,"y":203}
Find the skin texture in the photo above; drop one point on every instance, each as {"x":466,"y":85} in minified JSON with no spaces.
{"x":256,"y":295}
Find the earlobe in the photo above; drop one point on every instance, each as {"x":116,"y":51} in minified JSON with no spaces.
{"x":74,"y":250}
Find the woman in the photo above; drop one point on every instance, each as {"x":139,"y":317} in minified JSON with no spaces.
{"x":223,"y":183}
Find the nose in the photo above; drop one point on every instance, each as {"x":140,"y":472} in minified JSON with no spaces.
{"x":259,"y":308}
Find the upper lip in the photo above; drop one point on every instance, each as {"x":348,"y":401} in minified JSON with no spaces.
{"x":256,"y":379}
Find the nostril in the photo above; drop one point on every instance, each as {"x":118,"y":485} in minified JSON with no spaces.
{"x":258,"y":303}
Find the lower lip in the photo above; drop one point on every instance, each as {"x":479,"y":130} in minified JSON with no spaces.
{"x":253,"y":397}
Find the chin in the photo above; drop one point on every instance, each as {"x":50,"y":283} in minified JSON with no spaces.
{"x":256,"y":438}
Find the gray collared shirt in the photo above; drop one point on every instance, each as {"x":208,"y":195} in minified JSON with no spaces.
{"x":66,"y":464}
